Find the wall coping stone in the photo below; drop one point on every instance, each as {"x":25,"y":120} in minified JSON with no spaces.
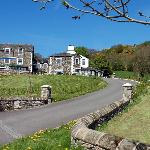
{"x":127,"y":85}
{"x":45,"y":86}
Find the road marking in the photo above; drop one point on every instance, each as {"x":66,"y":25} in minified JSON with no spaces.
{"x":9,"y":130}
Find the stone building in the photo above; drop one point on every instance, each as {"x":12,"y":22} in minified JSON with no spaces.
{"x":42,"y":67}
{"x":68,"y":62}
{"x":16,"y":57}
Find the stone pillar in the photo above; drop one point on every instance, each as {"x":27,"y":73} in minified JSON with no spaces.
{"x":46,"y":92}
{"x":127,"y":91}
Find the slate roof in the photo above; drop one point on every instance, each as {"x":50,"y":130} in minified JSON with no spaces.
{"x":61,"y":55}
{"x":27,"y":47}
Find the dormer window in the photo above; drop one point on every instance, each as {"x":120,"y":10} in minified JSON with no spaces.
{"x":7,"y":51}
{"x":20,"y":51}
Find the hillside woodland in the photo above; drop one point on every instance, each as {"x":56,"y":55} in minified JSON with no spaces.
{"x":120,"y":57}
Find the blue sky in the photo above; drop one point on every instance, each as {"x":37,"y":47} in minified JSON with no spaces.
{"x":52,"y":30}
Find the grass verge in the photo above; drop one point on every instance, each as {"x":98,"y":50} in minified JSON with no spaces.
{"x":131,"y":75}
{"x":134,"y":122}
{"x":50,"y":139}
{"x":63,"y":87}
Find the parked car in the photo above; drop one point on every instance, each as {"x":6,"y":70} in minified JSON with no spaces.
{"x":106,"y":73}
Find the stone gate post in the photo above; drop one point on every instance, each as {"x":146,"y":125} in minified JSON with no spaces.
{"x":46,"y":92}
{"x":127,"y":91}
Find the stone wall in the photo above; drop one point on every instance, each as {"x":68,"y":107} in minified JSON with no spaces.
{"x":7,"y":104}
{"x":26,"y":55}
{"x":64,"y":66}
{"x":21,"y":103}
{"x":83,"y":132}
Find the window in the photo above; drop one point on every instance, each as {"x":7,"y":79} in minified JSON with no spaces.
{"x":7,"y":50}
{"x":59,"y":61}
{"x":20,"y":51}
{"x":7,"y":61}
{"x":83,"y":61}
{"x":20,"y":61}
{"x":77,"y":61}
{"x":77,"y":70}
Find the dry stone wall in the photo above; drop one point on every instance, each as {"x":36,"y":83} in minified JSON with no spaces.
{"x":7,"y":104}
{"x":21,"y":103}
{"x":83,"y":132}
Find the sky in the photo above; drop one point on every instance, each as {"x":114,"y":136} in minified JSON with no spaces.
{"x":53,"y":29}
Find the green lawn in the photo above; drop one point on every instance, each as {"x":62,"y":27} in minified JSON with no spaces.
{"x":50,"y":139}
{"x":134,"y":122}
{"x":63,"y":87}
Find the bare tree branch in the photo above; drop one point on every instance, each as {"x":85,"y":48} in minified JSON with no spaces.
{"x":114,"y":10}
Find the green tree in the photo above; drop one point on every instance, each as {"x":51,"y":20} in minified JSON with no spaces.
{"x":82,"y":51}
{"x":100,"y":62}
{"x":118,"y":48}
{"x":146,"y":43}
{"x":142,"y":59}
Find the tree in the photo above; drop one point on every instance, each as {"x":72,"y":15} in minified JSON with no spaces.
{"x":82,"y":51}
{"x":142,"y":59}
{"x":114,"y":10}
{"x":99,"y":61}
{"x":38,"y":57}
{"x":146,"y":43}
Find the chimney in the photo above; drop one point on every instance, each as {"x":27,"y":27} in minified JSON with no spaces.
{"x":71,"y":49}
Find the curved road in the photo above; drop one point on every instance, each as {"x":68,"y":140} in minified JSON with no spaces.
{"x":24,"y":122}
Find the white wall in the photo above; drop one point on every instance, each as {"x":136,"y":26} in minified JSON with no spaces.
{"x":71,"y":47}
{"x":72,"y":62}
{"x":31,"y":68}
{"x":86,"y":65}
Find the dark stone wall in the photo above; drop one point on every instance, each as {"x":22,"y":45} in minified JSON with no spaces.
{"x":21,"y":103}
{"x":27,"y":54}
{"x":65,"y":66}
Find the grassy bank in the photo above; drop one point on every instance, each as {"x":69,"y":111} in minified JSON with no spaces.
{"x":131,"y":75}
{"x":63,"y":87}
{"x":51,"y":139}
{"x":134,"y":122}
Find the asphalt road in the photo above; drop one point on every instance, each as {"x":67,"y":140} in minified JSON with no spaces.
{"x":15,"y":124}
